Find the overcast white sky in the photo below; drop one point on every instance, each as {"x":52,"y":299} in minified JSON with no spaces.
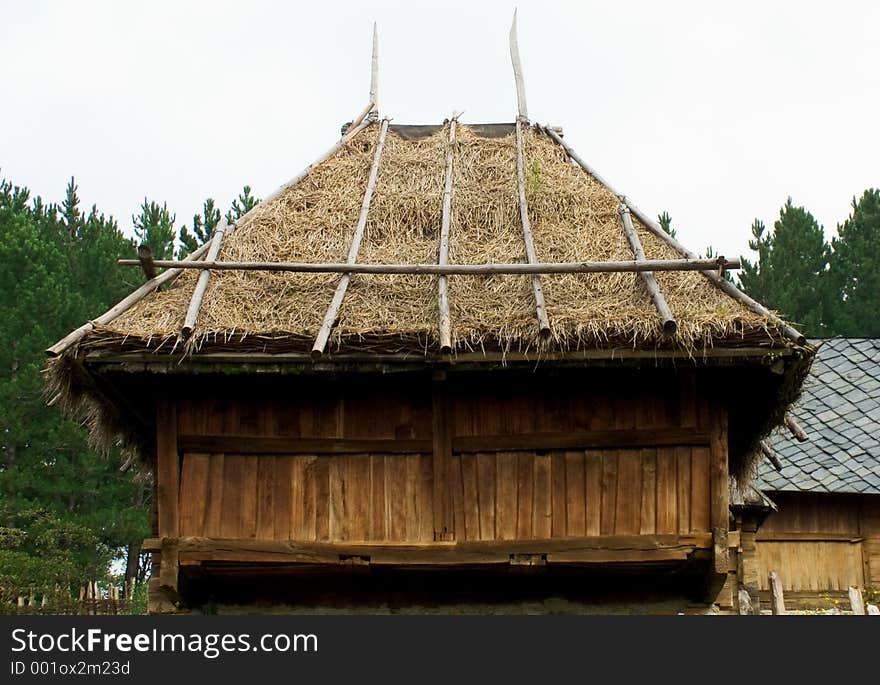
{"x":715,"y":112}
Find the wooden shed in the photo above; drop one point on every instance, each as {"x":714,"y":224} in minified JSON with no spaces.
{"x":446,"y":349}
{"x":825,"y":536}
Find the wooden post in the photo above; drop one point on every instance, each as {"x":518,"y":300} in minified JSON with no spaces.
{"x":747,"y":563}
{"x":541,"y":307}
{"x":522,"y":109}
{"x":443,"y":281}
{"x":342,"y":287}
{"x":145,"y":256}
{"x":195,"y":303}
{"x":167,"y":468}
{"x":777,"y":599}
{"x":719,"y":492}
{"x":374,"y":71}
{"x":444,"y":522}
{"x":856,"y":601}
{"x":666,"y":318}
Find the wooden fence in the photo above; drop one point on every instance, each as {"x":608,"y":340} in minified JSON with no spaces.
{"x":777,"y":600}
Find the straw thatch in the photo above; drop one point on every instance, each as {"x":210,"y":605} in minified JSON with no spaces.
{"x":574,"y":218}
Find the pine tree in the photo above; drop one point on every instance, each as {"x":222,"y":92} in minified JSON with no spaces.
{"x":665,"y":222}
{"x":855,"y":269}
{"x":154,"y":226}
{"x":70,"y":210}
{"x":790,"y":273}
{"x":242,"y":205}
{"x":203,"y":226}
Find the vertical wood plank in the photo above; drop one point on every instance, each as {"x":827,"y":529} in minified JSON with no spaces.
{"x":458,"y":499}
{"x":214,"y":502}
{"x":524,"y":487}
{"x":607,"y":524}
{"x":193,"y":494}
{"x":378,"y":502}
{"x":266,"y":511}
{"x":395,"y":496}
{"x":667,"y":492}
{"x":486,"y":494}
{"x":648,"y":523}
{"x":593,"y":492}
{"x":320,"y":467}
{"x":338,"y":513}
{"x":558,"y":493}
{"x":411,"y":497}
{"x":249,"y":497}
{"x":505,"y":495}
{"x":471,"y":491}
{"x":358,"y":491}
{"x":542,"y":506}
{"x":629,"y":493}
{"x":719,"y":486}
{"x":444,"y":524}
{"x":683,"y":481}
{"x":575,"y":498}
{"x":700,"y":504}
{"x":231,"y":514}
{"x":167,"y":468}
{"x":426,"y":494}
{"x":282,"y":497}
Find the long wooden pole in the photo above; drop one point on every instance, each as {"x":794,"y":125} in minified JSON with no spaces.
{"x":168,"y":276}
{"x":514,"y":269}
{"x":443,"y":260}
{"x":669,"y":324}
{"x":657,"y":230}
{"x":531,"y":254}
{"x":195,"y":304}
{"x":374,"y":71}
{"x":335,"y":304}
{"x":517,"y":72}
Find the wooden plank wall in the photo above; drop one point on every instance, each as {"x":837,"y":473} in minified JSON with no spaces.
{"x":495,"y":495}
{"x":821,"y":542}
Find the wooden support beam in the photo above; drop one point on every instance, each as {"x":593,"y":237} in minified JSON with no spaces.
{"x":145,"y":257}
{"x":522,"y":109}
{"x":335,"y":304}
{"x":666,"y":318}
{"x":719,"y":496}
{"x":443,"y":259}
{"x":777,"y":597}
{"x":584,"y":550}
{"x":768,"y":452}
{"x":441,"y":450}
{"x":795,"y":428}
{"x":531,"y":254}
{"x":657,"y":230}
{"x":195,"y":303}
{"x":512,"y":269}
{"x":167,"y":468}
{"x":597,"y":439}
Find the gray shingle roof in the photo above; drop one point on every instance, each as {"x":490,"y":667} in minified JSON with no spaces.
{"x":840,"y":412}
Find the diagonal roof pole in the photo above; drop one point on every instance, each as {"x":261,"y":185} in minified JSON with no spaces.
{"x":655,"y":228}
{"x":195,"y":304}
{"x":443,"y":281}
{"x":342,"y":287}
{"x":522,"y":109}
{"x":669,"y":325}
{"x":543,"y":321}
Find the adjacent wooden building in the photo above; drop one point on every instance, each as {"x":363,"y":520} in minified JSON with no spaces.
{"x":444,"y":349}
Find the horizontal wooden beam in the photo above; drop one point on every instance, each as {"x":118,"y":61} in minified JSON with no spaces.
{"x":807,"y":537}
{"x":510,"y":269}
{"x":615,"y":438}
{"x":586,"y":550}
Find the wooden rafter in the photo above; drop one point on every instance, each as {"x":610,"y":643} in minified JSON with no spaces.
{"x":531,"y":255}
{"x":336,"y":303}
{"x":374,"y":71}
{"x":501,"y":268}
{"x":657,"y":230}
{"x":668,"y":321}
{"x":522,"y":109}
{"x":195,"y":304}
{"x":443,"y":259}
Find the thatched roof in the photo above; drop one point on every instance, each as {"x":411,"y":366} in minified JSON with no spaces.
{"x":574,"y":217}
